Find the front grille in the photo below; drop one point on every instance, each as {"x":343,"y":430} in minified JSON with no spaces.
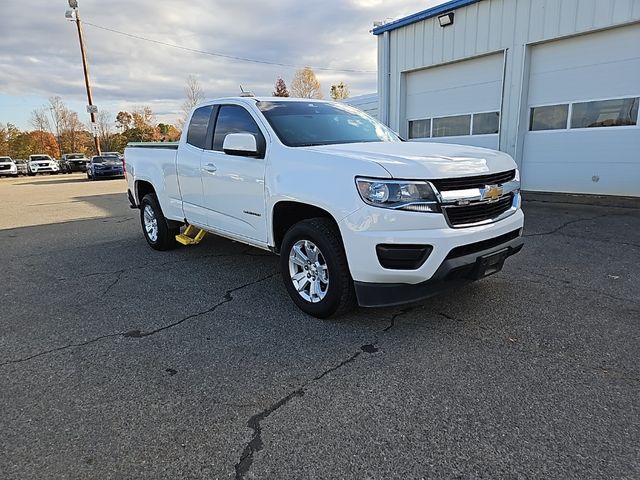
{"x":476,"y":247}
{"x":477,"y":212}
{"x":479,"y":181}
{"x":5,"y":167}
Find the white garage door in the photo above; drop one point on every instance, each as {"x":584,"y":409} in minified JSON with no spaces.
{"x":583,"y":134}
{"x":455,"y":103}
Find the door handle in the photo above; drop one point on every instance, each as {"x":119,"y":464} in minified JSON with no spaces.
{"x":210,"y":167}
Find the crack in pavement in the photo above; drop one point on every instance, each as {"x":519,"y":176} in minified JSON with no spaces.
{"x":566,"y":224}
{"x":58,"y":349}
{"x":256,"y":444}
{"x":118,"y":275}
{"x":228,"y":297}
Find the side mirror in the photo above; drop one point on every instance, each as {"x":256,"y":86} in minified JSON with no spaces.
{"x":243,"y":144}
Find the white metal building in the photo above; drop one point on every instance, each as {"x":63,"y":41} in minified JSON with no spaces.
{"x":367,"y":103}
{"x":554,"y":83}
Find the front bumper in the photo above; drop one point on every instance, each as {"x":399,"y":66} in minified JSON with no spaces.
{"x":453,"y":272}
{"x":108,"y":173}
{"x":369,"y":227}
{"x":45,"y":169}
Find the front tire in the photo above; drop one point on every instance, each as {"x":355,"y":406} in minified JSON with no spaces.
{"x":154,"y":225}
{"x":314,"y":268}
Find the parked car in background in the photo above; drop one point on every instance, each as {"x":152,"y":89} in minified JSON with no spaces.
{"x":114,"y":154}
{"x":75,"y":162}
{"x":104,"y":167}
{"x":64,"y":166}
{"x":21,"y":166}
{"x":8,"y":167}
{"x":42,"y":164}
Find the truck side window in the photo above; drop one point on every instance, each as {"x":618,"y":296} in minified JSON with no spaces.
{"x":197,"y":133}
{"x":235,"y":119}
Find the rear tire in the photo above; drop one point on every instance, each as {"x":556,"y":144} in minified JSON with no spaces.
{"x":154,"y":225}
{"x":317,"y":239}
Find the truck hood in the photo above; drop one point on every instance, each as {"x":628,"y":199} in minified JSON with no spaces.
{"x":424,"y":160}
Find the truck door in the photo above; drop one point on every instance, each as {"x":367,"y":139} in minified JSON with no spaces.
{"x":234,"y":185}
{"x":188,"y":165}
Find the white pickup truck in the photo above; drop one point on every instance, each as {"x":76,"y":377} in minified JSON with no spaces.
{"x":357,"y":215}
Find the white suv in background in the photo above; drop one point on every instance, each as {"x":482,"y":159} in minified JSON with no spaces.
{"x":42,"y":164}
{"x":8,"y":167}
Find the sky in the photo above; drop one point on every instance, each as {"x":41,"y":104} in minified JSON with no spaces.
{"x":40,"y":55}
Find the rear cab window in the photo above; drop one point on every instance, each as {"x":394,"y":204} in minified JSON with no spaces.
{"x":197,"y":132}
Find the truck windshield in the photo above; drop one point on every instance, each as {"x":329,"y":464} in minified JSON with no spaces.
{"x":74,"y":157}
{"x":5,"y":159}
{"x":304,"y":124}
{"x":39,"y":157}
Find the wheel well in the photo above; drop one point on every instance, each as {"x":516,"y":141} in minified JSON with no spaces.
{"x":143,"y":188}
{"x":287,"y":214}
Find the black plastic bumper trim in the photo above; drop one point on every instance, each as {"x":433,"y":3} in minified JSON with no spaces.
{"x":132,"y":202}
{"x":453,"y":272}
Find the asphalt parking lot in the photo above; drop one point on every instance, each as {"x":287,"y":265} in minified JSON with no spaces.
{"x":117,"y":361}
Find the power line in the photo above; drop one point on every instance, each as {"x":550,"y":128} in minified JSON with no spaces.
{"x":223,"y":55}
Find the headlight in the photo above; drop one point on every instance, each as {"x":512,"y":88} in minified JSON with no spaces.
{"x":398,"y":194}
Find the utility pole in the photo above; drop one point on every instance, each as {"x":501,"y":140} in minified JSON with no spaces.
{"x":74,"y":15}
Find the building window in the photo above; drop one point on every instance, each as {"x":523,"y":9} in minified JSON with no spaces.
{"x":420,"y":128}
{"x":486,"y":123}
{"x":605,"y":113}
{"x":552,"y":117}
{"x":456,"y":126}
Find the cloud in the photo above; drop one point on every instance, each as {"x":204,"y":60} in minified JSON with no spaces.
{"x":39,"y":54}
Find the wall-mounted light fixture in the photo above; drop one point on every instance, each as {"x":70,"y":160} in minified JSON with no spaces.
{"x":446,"y":19}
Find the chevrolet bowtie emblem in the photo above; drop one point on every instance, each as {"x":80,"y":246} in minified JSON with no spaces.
{"x":492,"y":192}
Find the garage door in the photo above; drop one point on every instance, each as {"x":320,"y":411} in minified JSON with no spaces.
{"x":582,"y":133}
{"x":456,"y":103}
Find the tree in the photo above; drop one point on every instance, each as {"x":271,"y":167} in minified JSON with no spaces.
{"x":281,"y":89}
{"x":103,"y":120}
{"x":40,"y":119}
{"x":45,"y":142}
{"x":4,"y":140}
{"x":143,"y":117}
{"x":123,"y":120}
{"x":20,"y":144}
{"x":340,"y":91}
{"x":305,"y":84}
{"x":195,"y":96}
{"x":72,"y":131}
{"x":143,"y":129}
{"x":59,"y":117}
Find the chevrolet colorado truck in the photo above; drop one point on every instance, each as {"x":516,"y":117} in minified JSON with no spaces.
{"x":357,"y":215}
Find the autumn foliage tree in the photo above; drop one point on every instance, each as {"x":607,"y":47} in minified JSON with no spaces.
{"x":58,"y":130}
{"x":305,"y":84}
{"x":280,"y":89}
{"x":339,"y":91}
